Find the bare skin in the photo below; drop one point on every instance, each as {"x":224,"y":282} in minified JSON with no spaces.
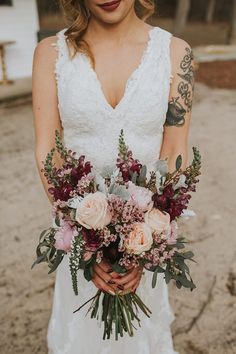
{"x":117,"y":40}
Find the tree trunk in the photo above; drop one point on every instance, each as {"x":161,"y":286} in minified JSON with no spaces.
{"x":210,"y":10}
{"x":181,"y":16}
{"x":232,"y":31}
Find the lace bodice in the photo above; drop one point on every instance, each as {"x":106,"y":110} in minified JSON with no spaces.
{"x":91,"y":126}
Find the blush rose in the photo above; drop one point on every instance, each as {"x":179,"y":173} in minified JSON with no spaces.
{"x":157,"y":220}
{"x":93,"y":212}
{"x":139,"y":239}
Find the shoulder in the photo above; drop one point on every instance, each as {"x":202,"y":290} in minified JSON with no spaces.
{"x":45,"y":49}
{"x":180,"y":51}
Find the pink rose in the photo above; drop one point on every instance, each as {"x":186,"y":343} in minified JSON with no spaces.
{"x":64,"y":236}
{"x":140,"y":195}
{"x":157,"y":220}
{"x":93,"y":211}
{"x":139,"y":239}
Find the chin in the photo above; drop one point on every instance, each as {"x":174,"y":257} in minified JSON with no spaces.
{"x":111,"y":17}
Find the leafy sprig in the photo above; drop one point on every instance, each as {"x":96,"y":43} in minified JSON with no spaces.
{"x":122,"y":147}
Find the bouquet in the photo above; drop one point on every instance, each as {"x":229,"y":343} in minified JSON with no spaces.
{"x":127,"y":217}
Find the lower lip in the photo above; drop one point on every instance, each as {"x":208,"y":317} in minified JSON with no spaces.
{"x":110,"y":7}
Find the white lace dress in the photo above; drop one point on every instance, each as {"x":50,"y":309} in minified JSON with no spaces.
{"x":91,"y":127}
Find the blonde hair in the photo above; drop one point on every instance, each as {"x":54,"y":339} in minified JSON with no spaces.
{"x":77,"y":16}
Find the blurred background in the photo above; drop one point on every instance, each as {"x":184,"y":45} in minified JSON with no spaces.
{"x":206,"y":318}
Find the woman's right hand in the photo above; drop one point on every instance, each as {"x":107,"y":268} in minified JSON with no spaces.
{"x":103,"y":277}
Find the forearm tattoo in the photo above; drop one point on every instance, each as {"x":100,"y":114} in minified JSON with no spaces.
{"x":177,"y":111}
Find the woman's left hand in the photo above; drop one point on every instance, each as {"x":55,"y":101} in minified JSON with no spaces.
{"x":130,"y":281}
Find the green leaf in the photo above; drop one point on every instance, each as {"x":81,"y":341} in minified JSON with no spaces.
{"x":57,"y":221}
{"x":87,"y":273}
{"x":186,"y":282}
{"x":134,"y":176}
{"x":178,"y":162}
{"x":188,"y":254}
{"x":56,"y":261}
{"x":40,"y":259}
{"x":118,"y":268}
{"x":142,"y":175}
{"x":168,"y":275}
{"x":178,"y":284}
{"x":154,"y":278}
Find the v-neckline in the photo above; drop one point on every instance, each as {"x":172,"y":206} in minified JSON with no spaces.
{"x":130,"y":78}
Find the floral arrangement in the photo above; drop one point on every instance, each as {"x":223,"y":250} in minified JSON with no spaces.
{"x":123,"y":216}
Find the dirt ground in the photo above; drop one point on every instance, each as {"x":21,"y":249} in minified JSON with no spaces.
{"x":206,"y":318}
{"x":220,"y":74}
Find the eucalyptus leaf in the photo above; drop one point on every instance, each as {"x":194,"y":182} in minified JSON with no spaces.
{"x":134,"y":176}
{"x":161,"y":166}
{"x":56,"y":262}
{"x":87,"y":273}
{"x":118,"y":268}
{"x":57,"y":221}
{"x":185,"y":282}
{"x":168,"y":275}
{"x":100,"y":183}
{"x":142,"y":175}
{"x":178,"y":162}
{"x":154,"y":278}
{"x":188,"y":254}
{"x":40,"y":259}
{"x":120,"y":191}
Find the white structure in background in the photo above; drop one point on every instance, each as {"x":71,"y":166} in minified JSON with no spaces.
{"x":19,"y":22}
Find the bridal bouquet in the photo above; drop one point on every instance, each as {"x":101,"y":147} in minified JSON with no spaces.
{"x":126,"y":216}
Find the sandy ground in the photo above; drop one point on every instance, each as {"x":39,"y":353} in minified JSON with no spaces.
{"x":206,"y":318}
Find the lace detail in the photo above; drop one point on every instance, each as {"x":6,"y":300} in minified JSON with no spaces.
{"x":91,"y":127}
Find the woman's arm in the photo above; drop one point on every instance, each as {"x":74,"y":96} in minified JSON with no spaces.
{"x":176,"y":128}
{"x":45,"y":110}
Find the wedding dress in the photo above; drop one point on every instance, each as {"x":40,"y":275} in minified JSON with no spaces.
{"x":91,"y":127}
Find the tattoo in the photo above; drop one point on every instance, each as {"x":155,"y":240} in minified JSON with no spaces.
{"x":176,"y":112}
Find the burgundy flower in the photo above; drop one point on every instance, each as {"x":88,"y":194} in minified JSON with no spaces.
{"x":171,"y":202}
{"x":62,"y":192}
{"x":92,"y":238}
{"x":126,"y":167}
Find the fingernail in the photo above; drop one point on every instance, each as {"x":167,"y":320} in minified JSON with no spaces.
{"x":121,"y":287}
{"x":111,"y":292}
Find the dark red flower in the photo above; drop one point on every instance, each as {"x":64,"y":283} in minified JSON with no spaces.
{"x":92,"y":239}
{"x":171,"y":202}
{"x":62,"y":192}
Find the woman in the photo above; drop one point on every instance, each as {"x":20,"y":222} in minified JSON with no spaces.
{"x":111,"y":70}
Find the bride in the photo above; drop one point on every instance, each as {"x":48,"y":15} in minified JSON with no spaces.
{"x":108,"y":70}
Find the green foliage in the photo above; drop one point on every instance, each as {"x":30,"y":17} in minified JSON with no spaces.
{"x":123,"y":148}
{"x":176,"y":268}
{"x":74,"y":260}
{"x":178,"y":162}
{"x":46,"y":252}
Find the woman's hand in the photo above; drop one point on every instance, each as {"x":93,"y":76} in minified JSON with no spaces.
{"x":104,"y":277}
{"x":130,"y":281}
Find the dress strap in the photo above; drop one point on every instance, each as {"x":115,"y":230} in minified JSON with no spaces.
{"x":63,"y":52}
{"x":161,"y":50}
